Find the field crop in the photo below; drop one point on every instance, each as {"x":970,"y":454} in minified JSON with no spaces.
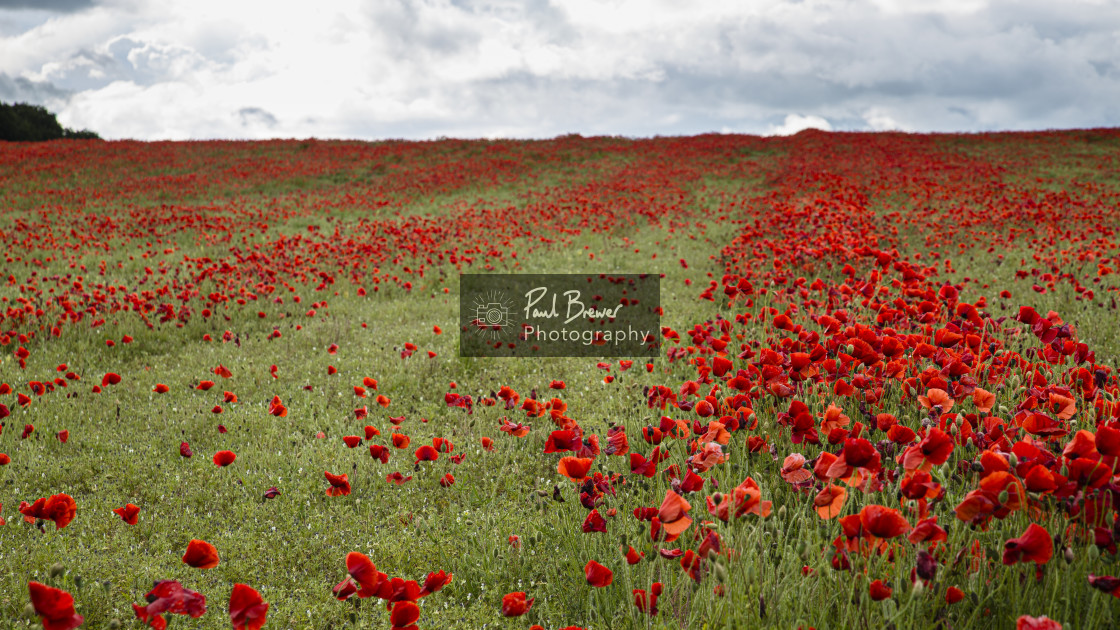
{"x":888,"y":396}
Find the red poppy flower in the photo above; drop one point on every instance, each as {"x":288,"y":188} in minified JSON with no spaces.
{"x":378,"y":451}
{"x":515,"y":604}
{"x":447,"y":480}
{"x":1027,"y":622}
{"x":673,"y":515}
{"x":597,"y":575}
{"x":352,"y":441}
{"x":562,"y":440}
{"x":370,"y":432}
{"x":185,"y":450}
{"x":401,"y":440}
{"x":129,"y":513}
{"x":277,"y":408}
{"x":398,"y":478}
{"x":879,"y":591}
{"x":633,"y":556}
{"x":340,"y":485}
{"x":934,"y":450}
{"x":63,"y":436}
{"x":435,"y":581}
{"x":404,"y":615}
{"x":59,"y":508}
{"x":364,"y":575}
{"x":224,"y":458}
{"x":1105,"y":583}
{"x":426,"y":453}
{"x":928,"y":531}
{"x":1035,"y":545}
{"x":647,"y":603}
{"x":574,"y":468}
{"x":882,"y":522}
{"x":168,"y":596}
{"x":160,"y":388}
{"x":200,"y":555}
{"x":247,"y":611}
{"x":953,"y":595}
{"x":487,"y":444}
{"x":4,"y":459}
{"x":55,"y":606}
{"x":746,"y":498}
{"x":594,"y":523}
{"x":110,"y":378}
{"x":830,"y":501}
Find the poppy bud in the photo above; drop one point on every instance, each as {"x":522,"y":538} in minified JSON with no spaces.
{"x":1067,"y":554}
{"x":1003,"y":496}
{"x":1012,"y":459}
{"x":721,"y":573}
{"x":78,"y":582}
{"x":114,"y":624}
{"x":29,"y":611}
{"x":56,"y":570}
{"x":1094,"y":552}
{"x":782,"y":512}
{"x":717,"y":498}
{"x":977,"y":467}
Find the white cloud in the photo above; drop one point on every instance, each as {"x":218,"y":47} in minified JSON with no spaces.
{"x":878,"y":119}
{"x":425,"y":68}
{"x":796,"y":122}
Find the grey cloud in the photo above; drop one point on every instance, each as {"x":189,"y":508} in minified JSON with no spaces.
{"x":60,"y":6}
{"x":22,"y":90}
{"x":250,"y":116}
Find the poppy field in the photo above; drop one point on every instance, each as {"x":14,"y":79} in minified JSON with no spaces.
{"x":888,"y":393}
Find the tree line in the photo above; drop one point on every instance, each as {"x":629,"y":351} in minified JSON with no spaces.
{"x":22,"y":122}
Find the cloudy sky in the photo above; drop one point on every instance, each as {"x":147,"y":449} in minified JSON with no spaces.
{"x":540,"y":68}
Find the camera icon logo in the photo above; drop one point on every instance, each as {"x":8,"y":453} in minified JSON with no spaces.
{"x":492,"y":314}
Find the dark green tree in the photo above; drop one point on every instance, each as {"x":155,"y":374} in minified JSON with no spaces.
{"x":21,"y":122}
